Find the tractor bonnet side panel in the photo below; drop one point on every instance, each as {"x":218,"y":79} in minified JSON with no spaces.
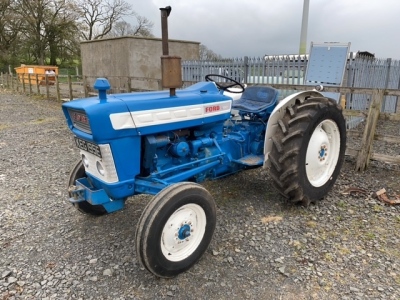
{"x":156,"y":112}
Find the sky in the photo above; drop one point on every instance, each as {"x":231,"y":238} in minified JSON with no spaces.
{"x":254,"y":28}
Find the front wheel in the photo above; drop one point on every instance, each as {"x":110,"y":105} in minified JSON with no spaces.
{"x":308,"y":150}
{"x":175,"y":229}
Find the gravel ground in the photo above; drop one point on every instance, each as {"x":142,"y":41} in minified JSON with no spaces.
{"x":345,"y":247}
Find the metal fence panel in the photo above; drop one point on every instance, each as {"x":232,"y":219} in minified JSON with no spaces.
{"x":364,"y":72}
{"x":369,"y":72}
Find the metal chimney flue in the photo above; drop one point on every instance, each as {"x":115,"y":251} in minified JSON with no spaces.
{"x":171,"y":70}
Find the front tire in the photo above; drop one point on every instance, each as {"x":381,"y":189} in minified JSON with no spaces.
{"x":175,"y":229}
{"x":308,"y":150}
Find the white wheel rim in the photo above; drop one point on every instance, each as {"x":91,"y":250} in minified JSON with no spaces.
{"x":323,"y":153}
{"x":183,"y":232}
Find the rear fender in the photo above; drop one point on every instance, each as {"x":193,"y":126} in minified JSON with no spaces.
{"x":278,"y":114}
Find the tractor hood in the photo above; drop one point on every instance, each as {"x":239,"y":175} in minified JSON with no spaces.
{"x":129,"y":114}
{"x":199,"y":93}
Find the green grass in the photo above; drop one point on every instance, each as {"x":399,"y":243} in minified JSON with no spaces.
{"x":341,"y":204}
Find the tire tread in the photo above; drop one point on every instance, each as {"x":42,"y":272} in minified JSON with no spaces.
{"x":283,"y":167}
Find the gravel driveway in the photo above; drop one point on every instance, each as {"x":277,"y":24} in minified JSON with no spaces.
{"x":346,"y":247}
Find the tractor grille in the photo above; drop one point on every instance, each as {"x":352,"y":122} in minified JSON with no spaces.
{"x":80,"y":120}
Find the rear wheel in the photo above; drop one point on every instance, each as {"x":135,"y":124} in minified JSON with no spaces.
{"x":175,"y":229}
{"x":85,"y":207}
{"x":308,"y":151}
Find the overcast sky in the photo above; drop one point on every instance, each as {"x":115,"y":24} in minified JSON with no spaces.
{"x":236,"y":28}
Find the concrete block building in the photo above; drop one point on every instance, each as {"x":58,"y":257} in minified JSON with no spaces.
{"x":131,"y":63}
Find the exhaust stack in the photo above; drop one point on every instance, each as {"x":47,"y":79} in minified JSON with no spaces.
{"x":171,"y":70}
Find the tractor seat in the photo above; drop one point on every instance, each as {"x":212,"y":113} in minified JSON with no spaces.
{"x":256,"y":99}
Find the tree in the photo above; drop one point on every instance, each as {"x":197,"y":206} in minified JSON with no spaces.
{"x":143,"y":27}
{"x":60,"y":28}
{"x":98,"y":17}
{"x":46,"y":24}
{"x":49,"y":31}
{"x":33,"y":16}
{"x":10,"y":26}
{"x":208,"y":54}
{"x":123,"y":28}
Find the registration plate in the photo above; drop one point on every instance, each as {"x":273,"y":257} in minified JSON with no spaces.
{"x":88,"y":146}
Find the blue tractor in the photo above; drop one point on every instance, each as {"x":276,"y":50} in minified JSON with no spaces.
{"x":165,"y":143}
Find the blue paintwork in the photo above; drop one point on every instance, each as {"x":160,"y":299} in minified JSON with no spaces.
{"x":150,"y":158}
{"x":87,"y":192}
{"x":102,"y":85}
{"x":98,"y":114}
{"x":184,"y":232}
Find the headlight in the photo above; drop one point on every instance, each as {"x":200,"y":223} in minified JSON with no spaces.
{"x":100,"y":168}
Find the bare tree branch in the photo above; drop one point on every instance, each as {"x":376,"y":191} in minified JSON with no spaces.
{"x":143,"y":27}
{"x":98,"y":16}
{"x":123,"y":28}
{"x":208,"y":54}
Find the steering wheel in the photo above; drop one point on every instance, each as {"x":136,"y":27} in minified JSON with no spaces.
{"x":225,"y":87}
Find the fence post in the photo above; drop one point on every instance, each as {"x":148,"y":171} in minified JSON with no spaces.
{"x":71,"y":97}
{"x":397,"y":104}
{"x":85,"y":88}
{"x":389,"y":64}
{"x":12,"y":82}
{"x":369,"y":130}
{"x":30,"y":84}
{"x":37,"y":83}
{"x":129,"y":85}
{"x":246,"y":68}
{"x":57,"y":87}
{"x":350,"y":77}
{"x":47,"y":87}
{"x":23,"y":82}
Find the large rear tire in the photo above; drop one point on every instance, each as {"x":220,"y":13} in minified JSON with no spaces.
{"x":308,"y":150}
{"x":78,"y":171}
{"x":175,"y":229}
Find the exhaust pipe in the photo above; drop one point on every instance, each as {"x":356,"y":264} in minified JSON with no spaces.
{"x":171,"y":70}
